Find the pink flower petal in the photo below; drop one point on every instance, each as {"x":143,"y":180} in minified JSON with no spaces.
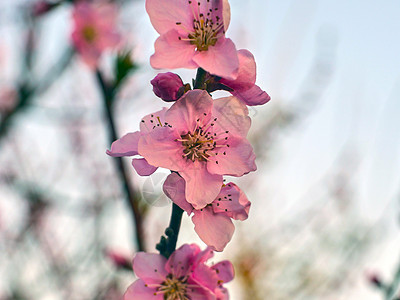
{"x":142,"y":167}
{"x":215,"y":230}
{"x":165,"y":14}
{"x":200,"y":293}
{"x":174,"y":188}
{"x":181,"y":262}
{"x":185,"y":112}
{"x":205,"y":277}
{"x":232,"y":202}
{"x":253,"y":96}
{"x":226,"y":14}
{"x":150,"y":267}
{"x":139,"y":291}
{"x":221,"y":59}
{"x":244,"y":85}
{"x":246,"y":74}
{"x":160,"y":149}
{"x":201,"y":186}
{"x":171,"y":52}
{"x":204,"y":255}
{"x":106,"y":16}
{"x":232,"y":115}
{"x":224,"y":270}
{"x":108,"y":40}
{"x":222,"y":293}
{"x":236,"y":160}
{"x":125,"y":146}
{"x":153,"y":120}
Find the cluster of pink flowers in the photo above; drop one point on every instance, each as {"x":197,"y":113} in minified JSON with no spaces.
{"x":198,"y":138}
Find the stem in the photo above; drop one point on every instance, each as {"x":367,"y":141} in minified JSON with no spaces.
{"x":131,"y":195}
{"x":393,"y":288}
{"x":27,"y":91}
{"x":200,"y":79}
{"x":175,"y":226}
{"x":167,"y":245}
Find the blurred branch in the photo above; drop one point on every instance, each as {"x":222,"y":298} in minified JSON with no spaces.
{"x":393,"y":289}
{"x":108,"y":92}
{"x":27,"y":90}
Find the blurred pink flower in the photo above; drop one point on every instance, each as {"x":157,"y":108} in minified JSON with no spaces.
{"x":41,"y":7}
{"x":212,"y":223}
{"x":94,"y":30}
{"x":244,"y":86}
{"x":118,"y":259}
{"x":8,"y":98}
{"x":166,"y":86}
{"x":192,"y":34}
{"x":200,"y":138}
{"x":183,"y":276}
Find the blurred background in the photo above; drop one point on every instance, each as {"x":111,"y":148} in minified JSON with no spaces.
{"x":324,"y":222}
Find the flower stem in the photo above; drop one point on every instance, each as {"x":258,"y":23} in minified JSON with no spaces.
{"x":174,"y":225}
{"x":167,"y":245}
{"x":131,"y":194}
{"x":200,"y":79}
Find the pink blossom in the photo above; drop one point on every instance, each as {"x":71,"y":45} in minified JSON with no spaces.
{"x":212,"y":223}
{"x":166,"y":86}
{"x":192,"y":35}
{"x":183,"y":276}
{"x":200,"y":138}
{"x":244,"y":86}
{"x":94,"y":30}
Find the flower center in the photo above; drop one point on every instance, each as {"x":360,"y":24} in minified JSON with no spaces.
{"x":89,"y":33}
{"x":205,"y":31}
{"x":197,"y":144}
{"x":174,"y":288}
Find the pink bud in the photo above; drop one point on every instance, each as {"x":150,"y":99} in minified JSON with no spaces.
{"x":118,"y":259}
{"x":374,"y":279}
{"x":166,"y":86}
{"x":8,"y":99}
{"x":41,"y":7}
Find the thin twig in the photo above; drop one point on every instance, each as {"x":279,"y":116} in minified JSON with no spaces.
{"x":131,"y":194}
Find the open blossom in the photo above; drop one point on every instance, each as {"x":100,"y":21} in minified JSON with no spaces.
{"x":183,"y":276}
{"x":244,"y":86}
{"x":200,"y":138}
{"x":94,"y":30}
{"x":192,"y":35}
{"x":213,"y":223}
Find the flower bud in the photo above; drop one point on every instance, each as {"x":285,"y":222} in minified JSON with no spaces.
{"x":166,"y":86}
{"x":41,"y":7}
{"x":8,"y":99}
{"x":119,"y":260}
